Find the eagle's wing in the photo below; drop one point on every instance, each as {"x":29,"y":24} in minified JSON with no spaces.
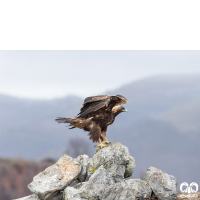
{"x":94,"y":103}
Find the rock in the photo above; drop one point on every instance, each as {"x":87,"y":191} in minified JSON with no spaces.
{"x":128,"y":190}
{"x":31,"y":197}
{"x":144,"y":188}
{"x":55,"y":178}
{"x":97,"y":183}
{"x":107,"y":171}
{"x":71,"y":193}
{"x":59,"y":196}
{"x":93,"y":189}
{"x":116,"y":159}
{"x":191,"y":196}
{"x":162,"y":184}
{"x":129,"y":168}
{"x":83,"y":160}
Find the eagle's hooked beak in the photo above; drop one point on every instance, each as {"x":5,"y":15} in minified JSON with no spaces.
{"x":125,"y":110}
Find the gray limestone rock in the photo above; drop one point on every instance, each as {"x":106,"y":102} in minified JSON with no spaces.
{"x":107,"y":171}
{"x":116,"y":159}
{"x":83,"y":160}
{"x":71,"y":193}
{"x":162,"y":184}
{"x":144,"y":188}
{"x":31,"y":197}
{"x":128,"y":190}
{"x":55,"y":178}
{"x":59,"y":196}
{"x":93,"y":189}
{"x":129,"y":168}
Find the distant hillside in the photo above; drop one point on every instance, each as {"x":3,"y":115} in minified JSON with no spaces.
{"x":161,"y":127}
{"x":185,"y":117}
{"x":15,"y":175}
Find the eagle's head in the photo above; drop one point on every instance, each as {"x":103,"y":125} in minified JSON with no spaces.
{"x":119,"y":109}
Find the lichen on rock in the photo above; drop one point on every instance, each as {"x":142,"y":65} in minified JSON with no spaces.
{"x":107,"y":171}
{"x":130,"y":189}
{"x":55,"y":178}
{"x":162,"y":184}
{"x":83,"y":160}
{"x":93,"y":189}
{"x":116,"y":159}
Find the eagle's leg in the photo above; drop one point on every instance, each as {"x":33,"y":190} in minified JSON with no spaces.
{"x":103,"y":135}
{"x":106,"y":141}
{"x":101,"y":145}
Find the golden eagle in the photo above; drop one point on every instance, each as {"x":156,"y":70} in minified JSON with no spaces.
{"x":97,"y":113}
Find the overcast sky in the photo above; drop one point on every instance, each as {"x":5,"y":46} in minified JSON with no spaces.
{"x":52,"y":74}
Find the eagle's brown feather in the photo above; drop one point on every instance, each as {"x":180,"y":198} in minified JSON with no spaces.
{"x":92,"y":104}
{"x":97,"y":113}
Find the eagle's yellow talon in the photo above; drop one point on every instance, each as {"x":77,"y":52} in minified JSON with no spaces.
{"x":106,"y":142}
{"x":101,"y":145}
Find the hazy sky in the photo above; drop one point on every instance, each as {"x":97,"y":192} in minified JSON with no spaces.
{"x":51,"y":74}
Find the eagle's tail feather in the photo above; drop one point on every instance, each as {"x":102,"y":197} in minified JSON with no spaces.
{"x":65,"y":120}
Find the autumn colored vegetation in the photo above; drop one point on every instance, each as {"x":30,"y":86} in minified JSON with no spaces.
{"x":15,"y":175}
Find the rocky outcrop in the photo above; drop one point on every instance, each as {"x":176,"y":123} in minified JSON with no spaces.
{"x":101,"y":185}
{"x":162,"y":184}
{"x":128,"y":190}
{"x":83,"y":160}
{"x":116,"y":159}
{"x":93,"y":189}
{"x":31,"y":197}
{"x":55,"y":178}
{"x":107,"y":172}
{"x":191,"y":196}
{"x":58,"y":196}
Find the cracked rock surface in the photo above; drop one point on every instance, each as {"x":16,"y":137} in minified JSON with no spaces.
{"x":31,"y":197}
{"x":93,"y":189}
{"x":128,"y":190}
{"x":107,"y":171}
{"x":116,"y":159}
{"x":83,"y":160}
{"x":55,"y":178}
{"x":59,"y":196}
{"x":162,"y":184}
